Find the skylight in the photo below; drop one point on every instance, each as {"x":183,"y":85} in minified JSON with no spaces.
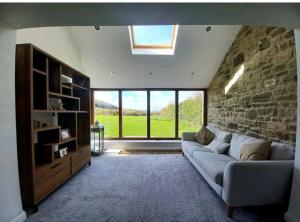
{"x":153,"y":39}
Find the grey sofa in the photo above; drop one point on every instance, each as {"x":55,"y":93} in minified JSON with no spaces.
{"x":242,"y":183}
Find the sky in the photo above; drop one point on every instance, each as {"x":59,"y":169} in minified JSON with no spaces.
{"x":153,"y":34}
{"x":138,"y":99}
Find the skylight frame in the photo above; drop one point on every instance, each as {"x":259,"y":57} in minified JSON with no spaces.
{"x":153,"y":49}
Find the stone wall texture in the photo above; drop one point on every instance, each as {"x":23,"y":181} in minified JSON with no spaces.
{"x":263,"y":101}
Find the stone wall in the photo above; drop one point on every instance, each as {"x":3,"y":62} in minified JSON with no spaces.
{"x":263,"y":101}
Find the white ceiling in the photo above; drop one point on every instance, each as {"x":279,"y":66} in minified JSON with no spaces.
{"x":108,"y":50}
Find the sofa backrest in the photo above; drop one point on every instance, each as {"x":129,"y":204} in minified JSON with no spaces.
{"x":237,"y":142}
{"x":220,"y":135}
{"x":282,"y":151}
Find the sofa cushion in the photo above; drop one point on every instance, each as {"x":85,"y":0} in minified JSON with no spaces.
{"x":220,"y":135}
{"x":204,"y":136}
{"x":282,"y":151}
{"x":213,"y":164}
{"x":189,"y":147}
{"x":256,"y":151}
{"x":217,"y":146}
{"x":237,"y":142}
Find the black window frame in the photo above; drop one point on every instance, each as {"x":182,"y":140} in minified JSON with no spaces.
{"x":148,"y":90}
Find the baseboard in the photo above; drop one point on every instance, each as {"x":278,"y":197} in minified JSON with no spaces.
{"x":20,"y":217}
{"x":290,"y":217}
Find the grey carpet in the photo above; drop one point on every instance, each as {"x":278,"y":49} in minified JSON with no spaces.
{"x":141,"y":188}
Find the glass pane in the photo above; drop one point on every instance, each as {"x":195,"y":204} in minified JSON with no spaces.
{"x":134,"y":113}
{"x":162,"y":113}
{"x":153,"y":35}
{"x":107,"y":111}
{"x":190,"y":104}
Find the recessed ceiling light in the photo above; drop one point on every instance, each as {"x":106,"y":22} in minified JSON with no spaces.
{"x":208,"y":28}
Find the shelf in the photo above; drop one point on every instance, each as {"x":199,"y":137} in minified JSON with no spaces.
{"x":58,"y":95}
{"x":78,"y":86}
{"x":67,"y":86}
{"x":46,"y":128}
{"x":81,"y":146}
{"x":58,"y":111}
{"x":62,"y":142}
{"x":39,"y":72}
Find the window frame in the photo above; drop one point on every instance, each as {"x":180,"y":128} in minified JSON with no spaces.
{"x":148,"y":90}
{"x":153,"y":49}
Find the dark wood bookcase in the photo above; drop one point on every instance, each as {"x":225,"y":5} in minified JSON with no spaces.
{"x":38,"y":83}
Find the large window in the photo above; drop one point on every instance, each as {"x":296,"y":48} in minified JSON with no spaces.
{"x":190,"y":108}
{"x":134,"y":113}
{"x":162,"y":114}
{"x":149,"y":113}
{"x":106,"y":111}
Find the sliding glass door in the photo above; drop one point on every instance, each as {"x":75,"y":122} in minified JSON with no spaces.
{"x":149,"y":113}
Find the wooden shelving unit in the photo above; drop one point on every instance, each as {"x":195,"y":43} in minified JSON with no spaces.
{"x":38,"y":84}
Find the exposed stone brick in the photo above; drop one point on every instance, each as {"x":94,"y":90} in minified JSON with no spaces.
{"x":263,"y":102}
{"x":264,"y":44}
{"x":239,"y":59}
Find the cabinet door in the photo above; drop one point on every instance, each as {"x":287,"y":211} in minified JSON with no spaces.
{"x":80,"y":158}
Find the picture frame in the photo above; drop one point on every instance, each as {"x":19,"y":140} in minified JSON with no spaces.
{"x":63,"y":152}
{"x":65,"y":134}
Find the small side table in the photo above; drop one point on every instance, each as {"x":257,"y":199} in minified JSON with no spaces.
{"x":97,"y":150}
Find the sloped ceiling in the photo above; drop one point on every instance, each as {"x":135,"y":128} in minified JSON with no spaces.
{"x":108,"y":50}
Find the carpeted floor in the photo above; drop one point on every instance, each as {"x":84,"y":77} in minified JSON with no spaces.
{"x":141,"y":188}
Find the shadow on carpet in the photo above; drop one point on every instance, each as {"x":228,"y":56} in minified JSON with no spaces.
{"x":141,"y":188}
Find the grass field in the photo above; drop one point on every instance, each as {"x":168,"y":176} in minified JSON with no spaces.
{"x":136,"y":126}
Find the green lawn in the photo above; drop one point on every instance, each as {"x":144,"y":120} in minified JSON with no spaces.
{"x":136,"y":126}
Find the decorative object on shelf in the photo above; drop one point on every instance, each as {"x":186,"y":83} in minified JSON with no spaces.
{"x":66,"y":79}
{"x":55,"y":148}
{"x":65,"y":134}
{"x":63,"y":152}
{"x":83,"y":82}
{"x":44,"y":124}
{"x":51,"y":107}
{"x":60,"y":105}
{"x":97,"y":150}
{"x":36,"y":124}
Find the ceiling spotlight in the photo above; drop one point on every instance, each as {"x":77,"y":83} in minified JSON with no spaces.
{"x":192,"y":73}
{"x":208,"y":28}
{"x":97,"y":27}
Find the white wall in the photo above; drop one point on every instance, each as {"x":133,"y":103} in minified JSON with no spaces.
{"x":57,"y":41}
{"x":109,"y":50}
{"x":293,"y":214}
{"x":10,"y":200}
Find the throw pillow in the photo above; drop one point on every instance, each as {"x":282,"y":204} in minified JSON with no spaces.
{"x":204,"y":136}
{"x":218,"y":146}
{"x":256,"y":151}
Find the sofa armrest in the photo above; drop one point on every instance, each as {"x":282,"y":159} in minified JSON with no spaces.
{"x":188,"y":136}
{"x":247,"y":183}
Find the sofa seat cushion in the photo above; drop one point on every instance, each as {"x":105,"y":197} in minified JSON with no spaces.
{"x":213,"y":164}
{"x":237,"y":142}
{"x":189,"y":147}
